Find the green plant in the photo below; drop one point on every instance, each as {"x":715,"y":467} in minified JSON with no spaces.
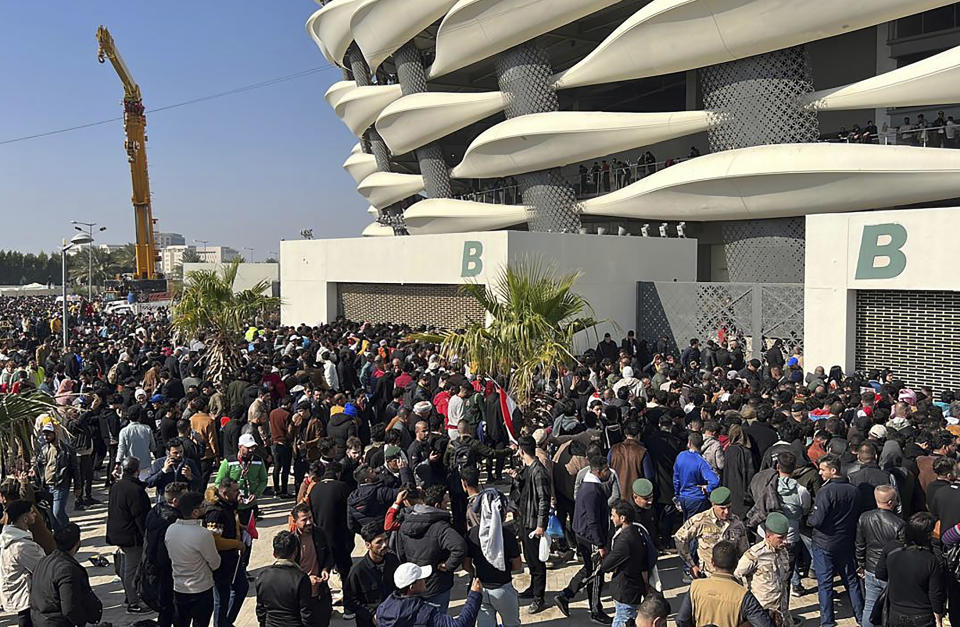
{"x":18,"y":412}
{"x":532,"y":317}
{"x":208,"y":305}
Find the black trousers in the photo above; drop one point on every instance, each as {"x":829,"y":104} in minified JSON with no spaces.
{"x":322,"y":606}
{"x":23,"y":618}
{"x":192,"y":609}
{"x":206,"y":469}
{"x":565,"y":514}
{"x":342,"y":548}
{"x":589,"y":559}
{"x":282,"y":457}
{"x":953,"y":600}
{"x":538,"y":569}
{"x":84,"y":487}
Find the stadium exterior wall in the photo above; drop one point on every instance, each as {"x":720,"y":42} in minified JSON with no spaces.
{"x":901,"y":250}
{"x":611,"y":267}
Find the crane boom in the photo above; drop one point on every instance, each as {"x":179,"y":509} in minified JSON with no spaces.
{"x":135,"y":126}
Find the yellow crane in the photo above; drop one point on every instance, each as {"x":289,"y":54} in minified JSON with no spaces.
{"x":135,"y":126}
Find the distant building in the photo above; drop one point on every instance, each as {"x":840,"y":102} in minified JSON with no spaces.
{"x":172,"y":256}
{"x":217,"y":254}
{"x":163,"y":239}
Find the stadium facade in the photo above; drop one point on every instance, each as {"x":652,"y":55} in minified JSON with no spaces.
{"x":724,"y":121}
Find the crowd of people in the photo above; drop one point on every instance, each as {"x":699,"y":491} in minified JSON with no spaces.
{"x":756,"y":474}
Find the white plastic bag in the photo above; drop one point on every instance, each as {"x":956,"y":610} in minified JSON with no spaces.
{"x":544,"y":548}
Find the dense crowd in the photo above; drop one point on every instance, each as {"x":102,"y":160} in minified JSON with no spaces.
{"x":756,"y":473}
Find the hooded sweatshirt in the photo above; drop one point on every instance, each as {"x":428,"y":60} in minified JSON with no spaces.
{"x":428,"y":539}
{"x":19,"y":556}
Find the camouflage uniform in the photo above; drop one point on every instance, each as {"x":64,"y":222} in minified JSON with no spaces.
{"x":766,"y":571}
{"x":708,"y":530}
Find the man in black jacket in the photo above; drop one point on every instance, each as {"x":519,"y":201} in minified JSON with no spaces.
{"x":836,"y":511}
{"x":328,"y":502}
{"x":60,"y":592}
{"x":126,"y":524}
{"x":230,"y":579}
{"x":371,"y":578}
{"x":155,"y":583}
{"x":868,"y":477}
{"x":315,"y":560}
{"x":427,"y":538}
{"x":627,"y":560}
{"x":591,"y":516}
{"x":283,"y":590}
{"x":876,"y":528}
{"x":532,"y":484}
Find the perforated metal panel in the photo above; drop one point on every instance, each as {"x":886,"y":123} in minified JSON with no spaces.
{"x":765,"y":251}
{"x":756,"y":101}
{"x":524,"y":75}
{"x":414,"y":304}
{"x":916,"y":333}
{"x":681,"y":311}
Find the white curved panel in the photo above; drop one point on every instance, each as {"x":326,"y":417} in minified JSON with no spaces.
{"x":330,"y":28}
{"x":932,"y":81}
{"x":448,"y":215}
{"x":474,"y":30}
{"x":373,"y":211}
{"x":547,"y":140}
{"x":312,"y":31}
{"x":375,"y":229}
{"x":669,"y":36}
{"x":418,"y":119}
{"x":382,"y":189}
{"x":360,"y":107}
{"x":381,"y":27}
{"x":357,"y":147}
{"x":360,"y":165}
{"x":787,"y":180}
{"x":337,"y":91}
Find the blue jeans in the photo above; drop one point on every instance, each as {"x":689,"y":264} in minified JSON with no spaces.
{"x":624,"y":613}
{"x":502,"y":601}
{"x":440,"y":600}
{"x":828,"y":563}
{"x":60,"y":518}
{"x":225,"y":613}
{"x":872,"y":589}
{"x":690,"y":508}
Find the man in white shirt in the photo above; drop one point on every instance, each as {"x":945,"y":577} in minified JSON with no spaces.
{"x":456,"y":410}
{"x":194,"y":557}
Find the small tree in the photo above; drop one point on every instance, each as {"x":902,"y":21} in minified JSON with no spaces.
{"x":209,"y":305}
{"x":533,"y":318}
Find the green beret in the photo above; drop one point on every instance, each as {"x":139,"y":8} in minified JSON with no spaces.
{"x":720,"y":496}
{"x":391,"y":452}
{"x":777,"y":523}
{"x":643,"y":487}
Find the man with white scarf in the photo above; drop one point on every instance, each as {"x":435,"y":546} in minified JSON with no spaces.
{"x":493,"y":554}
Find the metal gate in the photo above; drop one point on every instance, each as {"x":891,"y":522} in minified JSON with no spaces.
{"x":441,"y":306}
{"x":678,"y":312}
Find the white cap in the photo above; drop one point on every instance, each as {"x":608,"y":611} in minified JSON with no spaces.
{"x":140,"y":392}
{"x":878,"y":431}
{"x":247,"y":440}
{"x":627,"y":372}
{"x":408,"y":573}
{"x":422,"y":407}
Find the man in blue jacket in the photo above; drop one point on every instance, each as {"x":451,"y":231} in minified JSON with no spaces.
{"x":407,"y":608}
{"x":591,"y":525}
{"x":693,"y":481}
{"x":834,"y":517}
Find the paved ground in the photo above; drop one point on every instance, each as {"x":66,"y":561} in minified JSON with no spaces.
{"x":107,"y":586}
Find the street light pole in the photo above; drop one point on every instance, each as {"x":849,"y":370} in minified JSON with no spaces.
{"x":64,"y":247}
{"x":89,"y":230}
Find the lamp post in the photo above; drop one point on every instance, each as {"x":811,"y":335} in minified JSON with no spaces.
{"x":89,"y":233}
{"x":77,"y":240}
{"x":250,"y":258}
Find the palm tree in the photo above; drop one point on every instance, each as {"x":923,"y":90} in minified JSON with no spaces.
{"x":17,"y":415}
{"x":208,"y":304}
{"x":533,"y":317}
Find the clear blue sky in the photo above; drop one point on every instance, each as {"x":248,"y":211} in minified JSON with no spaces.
{"x":244,"y":170}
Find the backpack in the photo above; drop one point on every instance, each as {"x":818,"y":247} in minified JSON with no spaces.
{"x":112,"y":373}
{"x":462,"y":454}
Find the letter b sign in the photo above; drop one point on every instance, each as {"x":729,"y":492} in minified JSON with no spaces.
{"x":884,"y":241}
{"x":472,"y":259}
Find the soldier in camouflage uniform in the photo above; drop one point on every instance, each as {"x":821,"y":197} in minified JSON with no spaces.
{"x":765,"y":569}
{"x":709,"y":527}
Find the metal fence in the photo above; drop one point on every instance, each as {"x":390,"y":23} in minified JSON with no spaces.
{"x":755,"y":313}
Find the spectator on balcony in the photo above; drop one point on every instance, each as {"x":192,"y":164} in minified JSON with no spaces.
{"x":584,"y":176}
{"x":595,"y":175}
{"x":906,"y":132}
{"x":870,"y":133}
{"x":950,"y":132}
{"x":922,"y":135}
{"x":606,"y":176}
{"x":650,"y":163}
{"x":939,"y":137}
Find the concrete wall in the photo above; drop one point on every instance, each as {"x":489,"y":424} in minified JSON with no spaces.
{"x":840,"y":254}
{"x":611,"y":266}
{"x":248,"y":274}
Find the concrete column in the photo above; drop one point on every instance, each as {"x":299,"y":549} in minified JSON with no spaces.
{"x":524,"y":75}
{"x":413,"y":80}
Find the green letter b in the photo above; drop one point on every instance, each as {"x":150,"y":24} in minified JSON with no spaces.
{"x":472,"y":259}
{"x":871,"y":248}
